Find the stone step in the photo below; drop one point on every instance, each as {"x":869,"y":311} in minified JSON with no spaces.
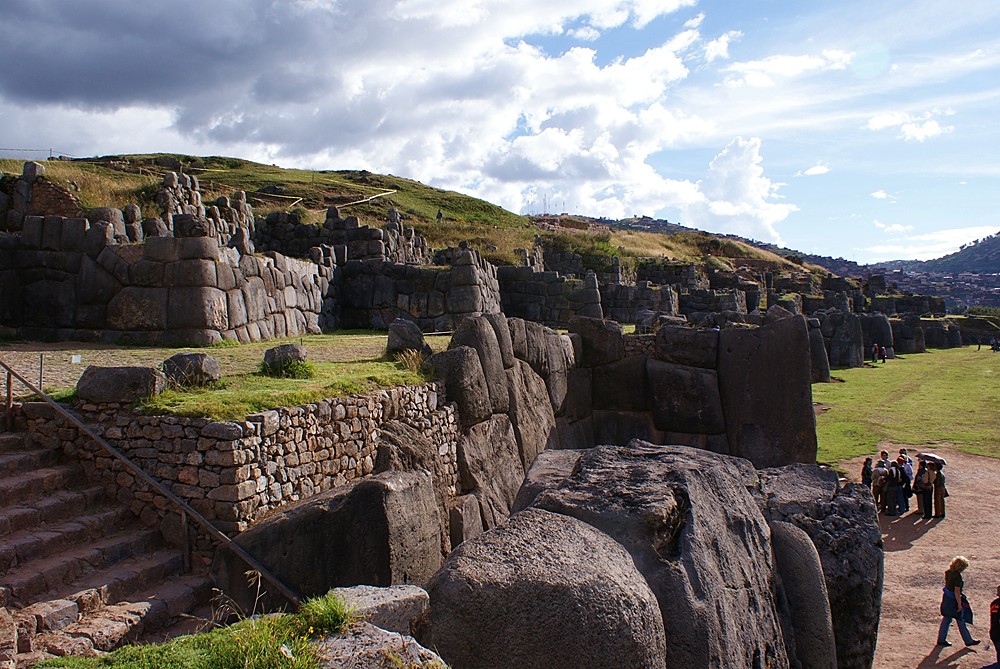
{"x":75,"y":569}
{"x":45,"y":539}
{"x":11,"y":441}
{"x":31,"y":485}
{"x":14,"y":462}
{"x":57,"y":506}
{"x":148,"y":615}
{"x":139,"y":573}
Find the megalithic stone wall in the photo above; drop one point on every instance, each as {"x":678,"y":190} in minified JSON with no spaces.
{"x":547,"y":297}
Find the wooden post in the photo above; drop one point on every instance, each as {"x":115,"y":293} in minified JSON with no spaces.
{"x":41,"y":369}
{"x":9,"y":404}
{"x":186,"y":541}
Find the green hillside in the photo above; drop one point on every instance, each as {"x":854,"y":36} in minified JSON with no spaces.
{"x":119,"y":180}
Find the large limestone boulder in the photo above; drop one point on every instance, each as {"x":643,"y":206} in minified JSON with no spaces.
{"x":764,"y":383}
{"x":544,"y":591}
{"x":530,"y":412}
{"x":379,"y":531}
{"x":685,"y":398}
{"x":843,"y":526}
{"x":819,"y":363}
{"x":489,"y":467}
{"x":119,"y":384}
{"x":396,"y":608}
{"x":697,"y":536}
{"x":365,"y":646}
{"x":547,"y":471}
{"x":478,"y":334}
{"x":681,"y":345}
{"x":192,"y":369}
{"x":462,"y":373}
{"x":404,"y":335}
{"x":800,"y":574}
{"x":603,"y":341}
{"x":844,"y":339}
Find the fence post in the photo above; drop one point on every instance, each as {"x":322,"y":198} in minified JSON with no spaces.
{"x":8,"y":417}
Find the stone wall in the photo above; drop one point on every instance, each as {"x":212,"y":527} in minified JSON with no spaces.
{"x":349,"y":240}
{"x":235,"y":472}
{"x":374,"y":293}
{"x":66,"y":278}
{"x":547,"y":297}
{"x":700,"y":301}
{"x":625,"y":304}
{"x":31,"y":194}
{"x":666,"y":273}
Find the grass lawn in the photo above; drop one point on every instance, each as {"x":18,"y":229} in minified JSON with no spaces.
{"x":942,"y":397}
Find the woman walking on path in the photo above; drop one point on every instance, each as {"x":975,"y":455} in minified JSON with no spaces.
{"x":954,"y":605}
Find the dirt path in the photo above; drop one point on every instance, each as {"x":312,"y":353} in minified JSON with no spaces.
{"x":917,"y":553}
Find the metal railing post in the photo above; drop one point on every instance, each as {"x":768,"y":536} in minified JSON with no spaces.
{"x":184,"y":507}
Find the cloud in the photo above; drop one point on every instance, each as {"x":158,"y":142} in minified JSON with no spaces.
{"x":719,"y":47}
{"x":912,"y":128}
{"x":930,"y":245}
{"x":880,"y":195}
{"x":768,"y":71}
{"x":894,"y":228}
{"x":814,"y":171}
{"x":736,"y":197}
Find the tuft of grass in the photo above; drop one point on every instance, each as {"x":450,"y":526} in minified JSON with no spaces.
{"x":411,"y":361}
{"x":944,"y":396}
{"x":291,"y":369}
{"x":269,"y":642}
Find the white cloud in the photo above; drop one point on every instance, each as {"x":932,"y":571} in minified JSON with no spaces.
{"x":930,"y":245}
{"x":768,"y":71}
{"x":880,"y":195}
{"x":912,"y":128}
{"x":736,"y":197}
{"x":719,"y":47}
{"x":894,"y":228}
{"x":814,"y":171}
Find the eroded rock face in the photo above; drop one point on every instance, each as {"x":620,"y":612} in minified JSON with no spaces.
{"x":489,"y":467}
{"x":766,"y":391}
{"x":842,"y":524}
{"x":382,"y":530}
{"x":697,"y":536}
{"x":543,"y":591}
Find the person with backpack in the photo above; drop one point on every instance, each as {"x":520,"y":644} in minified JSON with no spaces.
{"x":893,"y":479}
{"x":905,"y":482}
{"x":954,"y":604}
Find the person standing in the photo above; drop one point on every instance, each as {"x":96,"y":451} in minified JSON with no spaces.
{"x":954,"y":605}
{"x":905,"y":483}
{"x":866,"y":473}
{"x":995,"y":624}
{"x":885,"y":355}
{"x":940,"y":490}
{"x":875,"y":352}
{"x":893,"y":478}
{"x":923,"y":489}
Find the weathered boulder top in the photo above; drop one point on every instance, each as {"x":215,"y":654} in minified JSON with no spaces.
{"x":119,"y":384}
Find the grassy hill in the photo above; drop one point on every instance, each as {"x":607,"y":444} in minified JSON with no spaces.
{"x":119,"y":180}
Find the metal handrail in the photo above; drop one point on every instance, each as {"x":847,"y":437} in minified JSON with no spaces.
{"x":186,"y":509}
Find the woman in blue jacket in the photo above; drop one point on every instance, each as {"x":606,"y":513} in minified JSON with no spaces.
{"x":954,"y":605}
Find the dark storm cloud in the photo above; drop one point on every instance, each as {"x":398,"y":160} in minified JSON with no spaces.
{"x":110,"y":53}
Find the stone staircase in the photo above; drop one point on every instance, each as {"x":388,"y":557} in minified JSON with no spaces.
{"x":79,"y":574}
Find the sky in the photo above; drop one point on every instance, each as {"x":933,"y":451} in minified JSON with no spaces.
{"x":855,"y":129}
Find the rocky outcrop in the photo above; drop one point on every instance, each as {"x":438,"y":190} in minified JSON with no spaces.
{"x":697,"y":536}
{"x":405,"y":335}
{"x":365,"y":646}
{"x":844,"y":338}
{"x":764,"y":383}
{"x":382,"y":530}
{"x":842,"y":524}
{"x":819,"y":363}
{"x":908,"y":335}
{"x":542,"y":591}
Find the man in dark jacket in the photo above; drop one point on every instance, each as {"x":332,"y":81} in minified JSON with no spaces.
{"x":995,"y":624}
